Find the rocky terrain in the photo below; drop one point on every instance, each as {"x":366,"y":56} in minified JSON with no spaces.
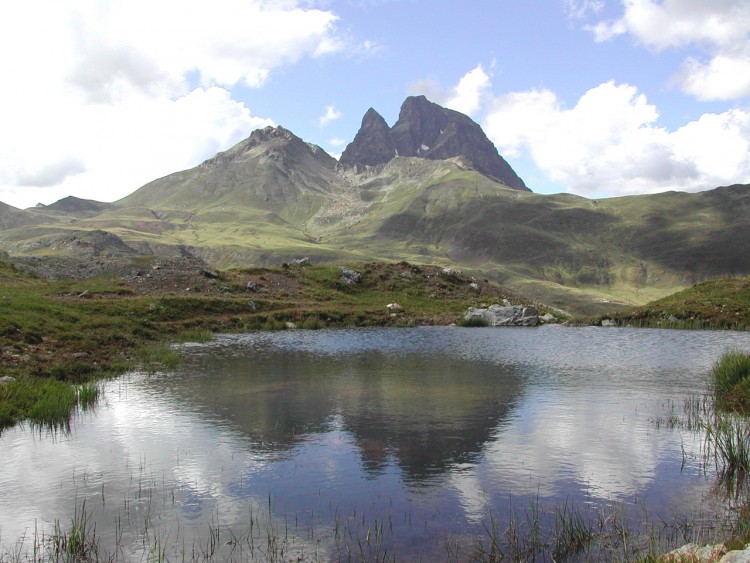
{"x":427,"y":130}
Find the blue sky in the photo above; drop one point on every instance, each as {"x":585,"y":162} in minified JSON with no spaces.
{"x":595,"y":97}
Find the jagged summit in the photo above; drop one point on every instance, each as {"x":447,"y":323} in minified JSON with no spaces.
{"x":372,"y":144}
{"x":427,"y":130}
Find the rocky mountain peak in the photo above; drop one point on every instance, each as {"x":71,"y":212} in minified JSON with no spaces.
{"x":270,"y":133}
{"x":427,"y":130}
{"x":276,"y":143}
{"x":372,"y":144}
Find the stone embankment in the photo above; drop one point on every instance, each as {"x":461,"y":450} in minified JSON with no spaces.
{"x":509,"y":315}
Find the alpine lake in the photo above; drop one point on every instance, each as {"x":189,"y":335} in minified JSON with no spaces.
{"x":415,"y":444}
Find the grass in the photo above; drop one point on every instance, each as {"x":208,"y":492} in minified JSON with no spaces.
{"x":534,"y":532}
{"x":717,"y":304}
{"x":196,"y":335}
{"x":80,"y":542}
{"x":159,"y":356}
{"x":473,"y":322}
{"x":59,"y":337}
{"x":728,"y":439}
{"x":731,"y":379}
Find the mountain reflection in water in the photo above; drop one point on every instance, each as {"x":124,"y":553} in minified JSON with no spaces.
{"x":433,"y":429}
{"x":426,"y":409}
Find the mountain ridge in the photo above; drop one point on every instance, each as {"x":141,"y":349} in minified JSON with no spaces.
{"x":426,"y":130}
{"x":273,"y":198}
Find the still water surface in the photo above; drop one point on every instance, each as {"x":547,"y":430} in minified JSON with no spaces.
{"x":418,"y":437}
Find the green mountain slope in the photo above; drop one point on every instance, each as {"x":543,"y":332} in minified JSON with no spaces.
{"x":273,"y":198}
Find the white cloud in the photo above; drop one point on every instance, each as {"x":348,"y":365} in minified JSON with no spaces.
{"x":468,"y":93}
{"x":610,"y":142}
{"x":721,"y":27}
{"x":124,"y":145}
{"x":725,"y":77}
{"x":466,"y":97}
{"x":331,"y":114}
{"x":102,"y":96}
{"x":51,"y":174}
{"x":337,"y":142}
{"x":577,"y":9}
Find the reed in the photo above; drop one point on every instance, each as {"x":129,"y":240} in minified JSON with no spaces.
{"x":572,"y":532}
{"x":313,"y":323}
{"x":80,"y":542}
{"x":730,"y":375}
{"x":473,"y":322}
{"x":196,"y":335}
{"x":158,"y":356}
{"x":54,"y":404}
{"x":728,"y":439}
{"x":88,"y":394}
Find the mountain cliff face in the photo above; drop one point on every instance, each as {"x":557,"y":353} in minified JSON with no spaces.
{"x":372,"y":144}
{"x":426,"y":130}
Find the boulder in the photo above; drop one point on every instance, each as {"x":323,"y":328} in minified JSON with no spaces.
{"x":548,"y":318}
{"x":609,"y":322}
{"x":506,"y":315}
{"x":350,"y":277}
{"x":737,"y":556}
{"x":7,"y":379}
{"x":698,"y":554}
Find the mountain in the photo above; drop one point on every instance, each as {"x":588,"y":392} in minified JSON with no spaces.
{"x":11,"y":217}
{"x":74,"y":207}
{"x":426,"y":130}
{"x":273,"y":198}
{"x":273,"y":169}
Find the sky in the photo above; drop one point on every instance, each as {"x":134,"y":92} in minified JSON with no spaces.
{"x":600,"y":98}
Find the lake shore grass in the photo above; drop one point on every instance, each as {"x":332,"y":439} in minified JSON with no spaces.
{"x":526,"y":529}
{"x":720,"y":304}
{"x":57,"y":335}
{"x":730,"y":377}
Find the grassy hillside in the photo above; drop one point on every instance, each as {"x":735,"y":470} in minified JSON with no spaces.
{"x":717,"y":304}
{"x":268,"y":201}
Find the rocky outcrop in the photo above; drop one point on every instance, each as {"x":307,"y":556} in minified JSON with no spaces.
{"x":372,"y":144}
{"x":706,"y":554}
{"x":349,"y":276}
{"x":505,"y":315}
{"x":426,"y":130}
